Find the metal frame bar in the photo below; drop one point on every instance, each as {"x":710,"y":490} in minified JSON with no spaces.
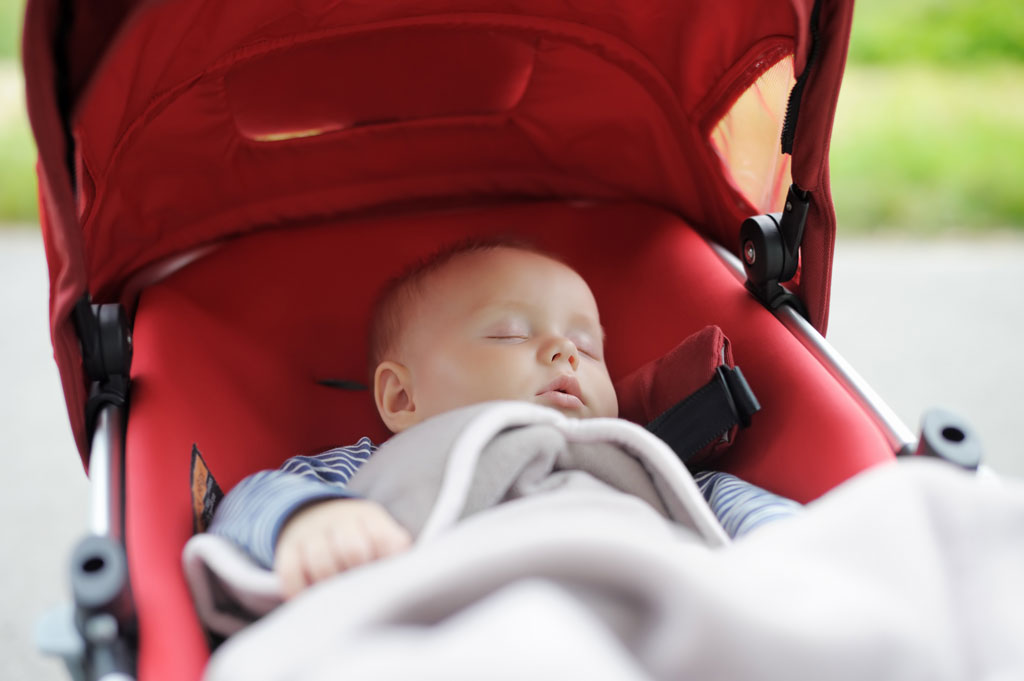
{"x":96,"y":635}
{"x":109,"y":652}
{"x":106,"y":474}
{"x":899,"y":436}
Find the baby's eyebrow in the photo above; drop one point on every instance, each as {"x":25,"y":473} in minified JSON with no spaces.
{"x":500,"y":308}
{"x":589,"y":324}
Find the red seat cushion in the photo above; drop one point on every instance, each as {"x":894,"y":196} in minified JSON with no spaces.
{"x":229,"y":353}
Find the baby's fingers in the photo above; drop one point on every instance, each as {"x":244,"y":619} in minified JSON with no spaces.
{"x":351,"y":547}
{"x":290,"y":572}
{"x":320,"y":561}
{"x":387,"y":536}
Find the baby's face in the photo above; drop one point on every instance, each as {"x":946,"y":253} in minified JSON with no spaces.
{"x":507,"y":324}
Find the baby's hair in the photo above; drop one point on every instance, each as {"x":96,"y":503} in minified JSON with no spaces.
{"x":400,"y":294}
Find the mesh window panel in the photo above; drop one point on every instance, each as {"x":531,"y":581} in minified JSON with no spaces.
{"x":747,"y":139}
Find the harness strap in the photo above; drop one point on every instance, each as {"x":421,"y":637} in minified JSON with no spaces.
{"x":708,"y":414}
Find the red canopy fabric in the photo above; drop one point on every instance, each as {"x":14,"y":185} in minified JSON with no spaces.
{"x":190,"y":122}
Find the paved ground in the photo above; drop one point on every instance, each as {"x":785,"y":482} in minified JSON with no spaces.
{"x":938,"y":324}
{"x":43,"y":492}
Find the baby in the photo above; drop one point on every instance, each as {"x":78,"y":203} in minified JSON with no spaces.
{"x":476,"y":323}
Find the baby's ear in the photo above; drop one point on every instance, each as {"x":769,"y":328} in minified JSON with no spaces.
{"x":392,"y":391}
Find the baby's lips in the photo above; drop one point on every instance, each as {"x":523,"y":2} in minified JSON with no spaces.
{"x":566,"y":384}
{"x":560,"y":400}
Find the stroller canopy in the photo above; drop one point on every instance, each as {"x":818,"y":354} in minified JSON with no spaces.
{"x":165,"y":127}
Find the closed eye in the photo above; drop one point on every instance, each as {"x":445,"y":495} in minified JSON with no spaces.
{"x":587,"y":347}
{"x":508,"y":338}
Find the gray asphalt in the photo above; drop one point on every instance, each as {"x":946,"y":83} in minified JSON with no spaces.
{"x":938,"y":324}
{"x":933,"y":324}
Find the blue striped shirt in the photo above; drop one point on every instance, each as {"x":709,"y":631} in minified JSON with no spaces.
{"x":740,"y":506}
{"x":253,"y":513}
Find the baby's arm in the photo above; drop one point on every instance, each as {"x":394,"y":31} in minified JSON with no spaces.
{"x":332,"y":536}
{"x":255,"y":512}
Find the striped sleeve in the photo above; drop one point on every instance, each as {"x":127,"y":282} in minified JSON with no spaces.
{"x":254,"y":511}
{"x":740,"y":506}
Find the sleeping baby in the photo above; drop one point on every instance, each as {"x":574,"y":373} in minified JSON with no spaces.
{"x":476,"y":323}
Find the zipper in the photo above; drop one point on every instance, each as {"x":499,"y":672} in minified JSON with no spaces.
{"x":796,"y":94}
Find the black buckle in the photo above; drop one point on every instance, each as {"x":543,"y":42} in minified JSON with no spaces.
{"x":744,"y":402}
{"x":705,"y":416}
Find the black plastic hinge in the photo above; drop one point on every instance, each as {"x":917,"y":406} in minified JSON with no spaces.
{"x":105,"y":338}
{"x":770,"y":250}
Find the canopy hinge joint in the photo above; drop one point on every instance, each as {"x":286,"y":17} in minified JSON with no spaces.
{"x":770,"y":250}
{"x":105,"y":337}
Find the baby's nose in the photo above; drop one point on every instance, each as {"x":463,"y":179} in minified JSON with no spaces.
{"x":565,"y":350}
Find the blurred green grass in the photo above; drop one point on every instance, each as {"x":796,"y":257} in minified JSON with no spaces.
{"x":11,"y":14}
{"x":954,"y":33}
{"x":17,"y":151}
{"x":924,"y":149}
{"x":929,"y":134}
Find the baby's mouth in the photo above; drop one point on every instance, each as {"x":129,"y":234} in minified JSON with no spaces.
{"x":564,"y":392}
{"x":560,"y":400}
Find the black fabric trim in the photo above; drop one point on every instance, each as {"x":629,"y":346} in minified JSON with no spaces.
{"x":341,"y":384}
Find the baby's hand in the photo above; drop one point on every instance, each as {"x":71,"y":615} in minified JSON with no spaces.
{"x":332,"y":536}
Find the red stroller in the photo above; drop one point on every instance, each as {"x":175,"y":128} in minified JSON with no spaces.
{"x":225,"y":186}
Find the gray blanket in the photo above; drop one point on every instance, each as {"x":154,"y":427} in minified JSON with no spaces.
{"x":907,"y":572}
{"x":466,"y":461}
{"x":472,"y":459}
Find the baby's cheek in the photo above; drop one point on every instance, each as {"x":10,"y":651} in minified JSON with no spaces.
{"x":482,"y":383}
{"x":608,"y":405}
{"x":505,"y":383}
